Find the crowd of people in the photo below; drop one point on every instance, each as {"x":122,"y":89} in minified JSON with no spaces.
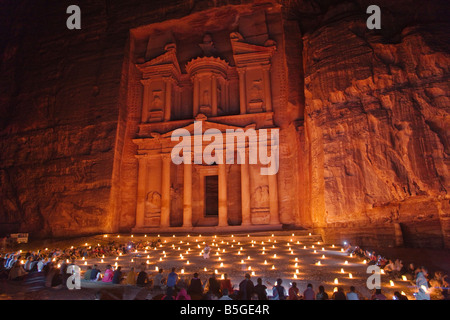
{"x":48,"y":268}
{"x":436,"y":288}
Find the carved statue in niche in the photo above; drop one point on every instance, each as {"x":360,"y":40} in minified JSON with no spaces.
{"x":260,"y":205}
{"x":156,"y":112}
{"x":261,"y":197}
{"x":256,"y":91}
{"x":157,"y":102}
{"x":152,"y":204}
{"x":256,"y":96}
{"x":205,"y":98}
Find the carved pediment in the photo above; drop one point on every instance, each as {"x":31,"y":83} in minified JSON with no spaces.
{"x":246,"y":53}
{"x":165,"y":64}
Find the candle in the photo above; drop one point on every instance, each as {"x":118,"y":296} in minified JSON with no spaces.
{"x":350,"y":276}
{"x":336,"y":281}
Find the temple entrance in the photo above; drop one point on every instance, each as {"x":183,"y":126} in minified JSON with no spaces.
{"x":211,"y":196}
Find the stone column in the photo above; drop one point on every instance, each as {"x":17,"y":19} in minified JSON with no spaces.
{"x":267,"y":89}
{"x":168,"y":100}
{"x":187,"y":195}
{"x":214,"y":95}
{"x":223,"y":213}
{"x":165,"y":191}
{"x":145,"y":100}
{"x":245,"y":194}
{"x":141,"y":191}
{"x":242,"y":93}
{"x":195,"y":101}
{"x":273,"y":199}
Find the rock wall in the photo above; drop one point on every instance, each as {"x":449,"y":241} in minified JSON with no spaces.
{"x":377,"y":126}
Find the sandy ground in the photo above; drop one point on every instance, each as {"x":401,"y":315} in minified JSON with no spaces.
{"x":291,"y":256}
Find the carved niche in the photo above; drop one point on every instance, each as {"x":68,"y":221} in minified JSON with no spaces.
{"x":253,"y":63}
{"x":160,"y":78}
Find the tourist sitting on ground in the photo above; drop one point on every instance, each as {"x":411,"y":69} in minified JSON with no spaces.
{"x":170,"y":294}
{"x":422,"y":285}
{"x":109,"y":274}
{"x":309,"y":293}
{"x":214,"y":285}
{"x":117,"y":276}
{"x":225,"y":283}
{"x":225,"y":295}
{"x":195,"y":289}
{"x":142,"y":278}
{"x":172,"y":278}
{"x":389,"y":268}
{"x":293,"y":292}
{"x":321,"y":294}
{"x":158,"y":280}
{"x":17,"y":272}
{"x":131,"y":277}
{"x":278,"y":291}
{"x":398,"y":268}
{"x":182,"y":295}
{"x":95,"y":274}
{"x":399,"y":296}
{"x":181,"y":283}
{"x":246,"y":288}
{"x":439,"y":286}
{"x":88,"y":273}
{"x":377,"y":295}
{"x":29,"y":263}
{"x":348,"y":247}
{"x":352,"y":295}
{"x":339,"y":294}
{"x":260,"y":290}
{"x":411,"y":272}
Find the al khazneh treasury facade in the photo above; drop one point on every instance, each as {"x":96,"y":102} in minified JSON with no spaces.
{"x":230,"y":75}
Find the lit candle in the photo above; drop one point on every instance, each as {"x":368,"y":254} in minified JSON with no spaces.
{"x":391,"y":283}
{"x":350,"y":276}
{"x":404,"y":278}
{"x":336,"y":281}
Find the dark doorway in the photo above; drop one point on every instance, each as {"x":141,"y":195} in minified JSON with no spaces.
{"x":211,"y":195}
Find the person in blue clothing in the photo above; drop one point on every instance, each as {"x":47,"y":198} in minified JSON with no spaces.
{"x":172,"y":279}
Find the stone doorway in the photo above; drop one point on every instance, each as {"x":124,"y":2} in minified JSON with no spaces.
{"x":211,"y":196}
